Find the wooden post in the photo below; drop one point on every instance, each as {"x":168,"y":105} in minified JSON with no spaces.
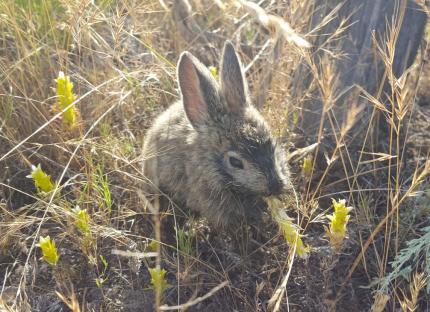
{"x":361,"y":66}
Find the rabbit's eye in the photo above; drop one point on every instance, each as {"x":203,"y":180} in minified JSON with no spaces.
{"x":236,"y":163}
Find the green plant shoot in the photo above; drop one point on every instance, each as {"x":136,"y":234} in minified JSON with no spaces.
{"x":307,"y":166}
{"x":152,"y":246}
{"x":82,"y":220}
{"x":338,"y":222}
{"x":102,"y":277}
{"x":66,"y":97}
{"x":104,"y":189}
{"x":185,"y":241}
{"x":158,"y":279}
{"x":49,"y":250}
{"x":42,"y":181}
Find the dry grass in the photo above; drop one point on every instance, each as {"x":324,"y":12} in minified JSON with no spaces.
{"x":121,"y":58}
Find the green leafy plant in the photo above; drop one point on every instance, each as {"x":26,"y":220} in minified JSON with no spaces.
{"x":152,"y":246}
{"x":42,"y":181}
{"x":158,"y":279}
{"x":403,"y":265}
{"x":49,"y":250}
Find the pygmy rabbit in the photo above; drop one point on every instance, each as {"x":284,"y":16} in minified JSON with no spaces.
{"x":213,"y":152}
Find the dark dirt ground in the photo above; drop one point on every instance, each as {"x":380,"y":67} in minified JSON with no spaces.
{"x":312,"y":285}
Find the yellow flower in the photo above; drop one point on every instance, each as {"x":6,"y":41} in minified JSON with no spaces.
{"x":293,"y":237}
{"x":66,"y":97}
{"x":49,"y":250}
{"x":82,"y":220}
{"x":42,"y":181}
{"x":338,"y":222}
{"x":213,"y":71}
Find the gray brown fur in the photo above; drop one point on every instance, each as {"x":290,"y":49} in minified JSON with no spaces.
{"x":188,"y":149}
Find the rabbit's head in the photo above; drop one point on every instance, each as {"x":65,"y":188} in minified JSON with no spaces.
{"x":235,"y":143}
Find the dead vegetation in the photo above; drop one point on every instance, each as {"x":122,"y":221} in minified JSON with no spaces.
{"x":360,"y":136}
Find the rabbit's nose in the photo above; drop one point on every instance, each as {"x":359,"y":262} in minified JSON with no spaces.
{"x":276,"y":186}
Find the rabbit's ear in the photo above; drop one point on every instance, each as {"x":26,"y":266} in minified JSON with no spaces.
{"x":233,"y":83}
{"x":197,"y":87}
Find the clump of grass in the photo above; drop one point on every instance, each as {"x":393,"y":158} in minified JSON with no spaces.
{"x":185,"y":241}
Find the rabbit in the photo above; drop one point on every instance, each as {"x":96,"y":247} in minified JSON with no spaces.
{"x":213,"y":152}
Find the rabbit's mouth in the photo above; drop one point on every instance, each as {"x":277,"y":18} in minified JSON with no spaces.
{"x":275,"y":187}
{"x":278,"y":188}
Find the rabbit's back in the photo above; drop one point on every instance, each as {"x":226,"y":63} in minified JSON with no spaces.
{"x":165,"y":150}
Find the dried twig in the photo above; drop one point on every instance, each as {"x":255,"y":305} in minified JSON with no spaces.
{"x":130,"y":254}
{"x":301,"y":153}
{"x":195,"y":301}
{"x":280,"y":30}
{"x":274,"y":24}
